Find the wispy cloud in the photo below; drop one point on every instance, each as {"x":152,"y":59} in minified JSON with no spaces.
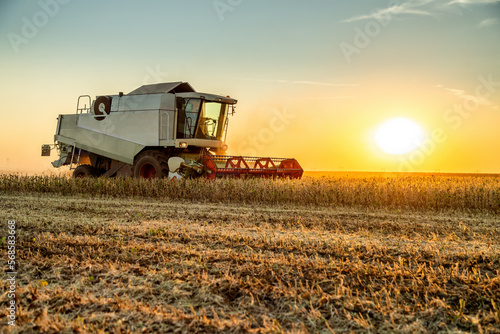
{"x":304,"y":82}
{"x":420,"y":8}
{"x":461,"y":94}
{"x":489,"y":22}
{"x":338,"y":97}
{"x":467,"y":3}
{"x":408,"y":8}
{"x":472,"y":2}
{"x":314,"y":83}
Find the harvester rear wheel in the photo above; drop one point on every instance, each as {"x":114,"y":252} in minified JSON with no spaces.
{"x":85,"y":171}
{"x":150,"y":165}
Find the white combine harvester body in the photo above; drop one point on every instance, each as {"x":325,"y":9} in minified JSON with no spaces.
{"x":158,"y":130}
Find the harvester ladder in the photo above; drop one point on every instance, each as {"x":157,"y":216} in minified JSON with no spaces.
{"x":79,"y":108}
{"x":72,"y":157}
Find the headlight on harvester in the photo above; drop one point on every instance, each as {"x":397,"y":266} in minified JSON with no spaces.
{"x":183,"y":145}
{"x":224,"y":147}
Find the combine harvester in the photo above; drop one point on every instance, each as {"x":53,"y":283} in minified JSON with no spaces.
{"x":160,"y":130}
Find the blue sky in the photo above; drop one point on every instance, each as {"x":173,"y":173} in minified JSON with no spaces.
{"x":412,"y":59}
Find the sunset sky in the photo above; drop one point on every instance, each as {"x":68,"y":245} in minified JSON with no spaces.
{"x":314,"y":79}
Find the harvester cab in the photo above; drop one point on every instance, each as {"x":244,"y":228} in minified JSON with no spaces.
{"x":160,"y":130}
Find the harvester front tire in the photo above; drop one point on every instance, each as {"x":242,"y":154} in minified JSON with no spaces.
{"x":85,"y":171}
{"x":150,"y":165}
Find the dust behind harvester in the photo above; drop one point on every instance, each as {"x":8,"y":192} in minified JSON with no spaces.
{"x":160,"y":130}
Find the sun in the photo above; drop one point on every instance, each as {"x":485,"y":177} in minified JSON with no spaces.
{"x":399,"y":136}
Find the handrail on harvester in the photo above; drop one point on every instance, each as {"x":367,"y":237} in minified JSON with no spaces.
{"x":248,"y":167}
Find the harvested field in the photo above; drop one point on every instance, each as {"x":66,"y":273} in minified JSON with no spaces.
{"x":109,"y":256}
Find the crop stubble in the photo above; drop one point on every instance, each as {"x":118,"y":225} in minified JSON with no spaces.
{"x":147,"y":264}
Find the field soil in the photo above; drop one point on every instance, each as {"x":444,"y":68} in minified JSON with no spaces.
{"x":146,"y":265}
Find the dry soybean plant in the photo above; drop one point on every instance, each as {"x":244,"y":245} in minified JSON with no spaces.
{"x":418,"y":192}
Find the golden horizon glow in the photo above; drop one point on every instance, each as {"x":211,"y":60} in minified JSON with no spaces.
{"x":399,"y":136}
{"x":322,"y":108}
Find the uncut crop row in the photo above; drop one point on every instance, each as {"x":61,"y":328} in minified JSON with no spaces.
{"x":427,"y":192}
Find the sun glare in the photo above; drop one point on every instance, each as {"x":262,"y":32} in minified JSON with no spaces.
{"x":399,"y":136}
